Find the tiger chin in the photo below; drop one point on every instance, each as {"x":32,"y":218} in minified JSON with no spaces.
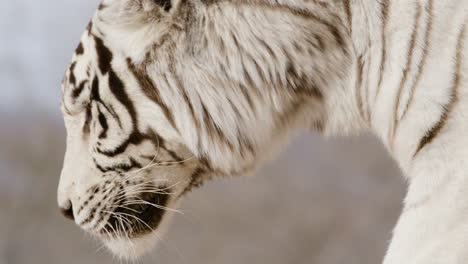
{"x":163,"y":95}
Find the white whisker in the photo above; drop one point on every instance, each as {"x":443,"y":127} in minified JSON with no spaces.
{"x":139,"y":202}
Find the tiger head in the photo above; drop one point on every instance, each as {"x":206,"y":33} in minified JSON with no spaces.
{"x":162,"y":95}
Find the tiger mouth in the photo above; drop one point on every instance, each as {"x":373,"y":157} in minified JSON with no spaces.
{"x":138,"y":215}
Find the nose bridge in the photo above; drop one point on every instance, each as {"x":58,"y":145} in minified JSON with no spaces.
{"x":74,"y":167}
{"x":66,"y":185}
{"x":65,"y":191}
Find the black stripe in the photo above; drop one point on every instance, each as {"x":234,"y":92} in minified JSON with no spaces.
{"x":347,"y":6}
{"x":134,"y":139}
{"x":213,"y":129}
{"x":89,"y":28}
{"x":300,"y":84}
{"x":78,"y":90}
{"x":249,"y":81}
{"x":100,"y":168}
{"x":306,"y":14}
{"x":383,"y":58}
{"x":79,"y":50}
{"x":103,"y":122}
{"x":112,"y":112}
{"x":196,"y":180}
{"x":137,"y":138}
{"x":95,"y":96}
{"x":251,"y":86}
{"x":104,"y":55}
{"x":71,"y":74}
{"x":182,"y":90}
{"x":151,"y":91}
{"x":448,"y":108}
{"x":121,"y":167}
{"x":158,"y":141}
{"x":366,"y":85}
{"x":117,"y":88}
{"x":87,"y":123}
{"x":422,"y":64}
{"x":165,"y":4}
{"x":406,"y":71}
{"x":360,"y":70}
{"x":95,"y":90}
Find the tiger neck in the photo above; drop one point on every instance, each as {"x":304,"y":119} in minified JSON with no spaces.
{"x":343,"y":73}
{"x":366,"y":23}
{"x":374,"y":86}
{"x":398,"y":98}
{"x":369,"y":28}
{"x":357,"y":112}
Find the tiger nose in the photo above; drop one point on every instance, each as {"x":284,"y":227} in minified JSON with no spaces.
{"x":68,"y":211}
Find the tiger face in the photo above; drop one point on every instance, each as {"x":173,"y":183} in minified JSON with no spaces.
{"x":163,"y":95}
{"x":125,"y":166}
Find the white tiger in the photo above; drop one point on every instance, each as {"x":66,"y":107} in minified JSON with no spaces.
{"x":164,"y":94}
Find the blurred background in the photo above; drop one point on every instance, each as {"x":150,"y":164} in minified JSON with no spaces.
{"x":321,"y":201}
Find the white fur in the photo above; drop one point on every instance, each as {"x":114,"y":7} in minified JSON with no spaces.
{"x":433,"y":227}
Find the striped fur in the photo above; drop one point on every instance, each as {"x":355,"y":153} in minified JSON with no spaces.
{"x":163,"y":95}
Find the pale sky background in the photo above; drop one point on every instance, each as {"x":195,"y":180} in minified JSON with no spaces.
{"x":36,"y":42}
